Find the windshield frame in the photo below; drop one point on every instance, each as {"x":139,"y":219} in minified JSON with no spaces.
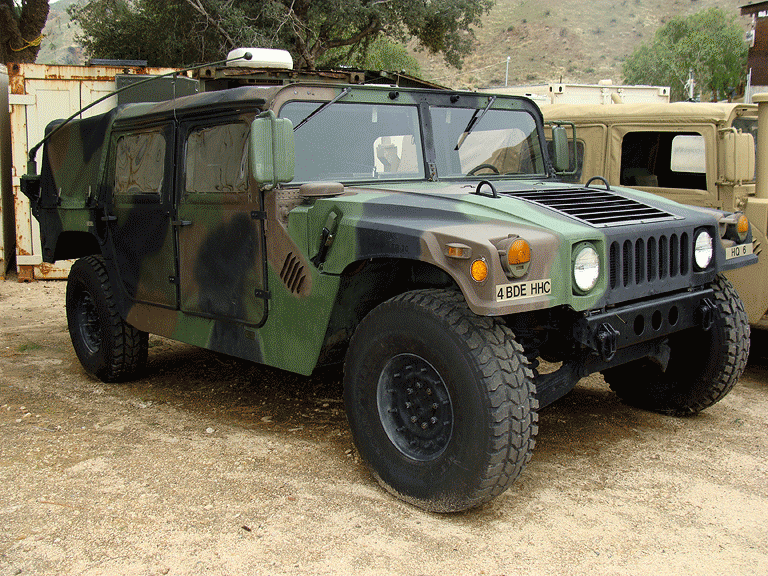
{"x":327,"y":97}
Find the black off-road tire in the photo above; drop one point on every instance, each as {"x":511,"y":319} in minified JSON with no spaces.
{"x":441,"y":402}
{"x":108,"y":348}
{"x":703,"y":366}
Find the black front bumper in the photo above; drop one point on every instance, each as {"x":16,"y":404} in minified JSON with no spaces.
{"x":610,"y":331}
{"x":626,"y":333}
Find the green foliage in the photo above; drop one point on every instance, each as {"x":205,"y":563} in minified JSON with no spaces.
{"x":709,"y":43}
{"x":179,"y":32}
{"x":381,"y":54}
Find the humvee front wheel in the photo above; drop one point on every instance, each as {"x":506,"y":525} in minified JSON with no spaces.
{"x":441,"y":402}
{"x":703,"y":365}
{"x":105,"y":344}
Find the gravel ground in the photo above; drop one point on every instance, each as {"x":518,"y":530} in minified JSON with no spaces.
{"x":212,"y":465}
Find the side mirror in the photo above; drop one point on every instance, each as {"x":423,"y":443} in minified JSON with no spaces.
{"x":273,"y":153}
{"x":561,"y":151}
{"x":560,"y":157}
{"x":739,"y":156}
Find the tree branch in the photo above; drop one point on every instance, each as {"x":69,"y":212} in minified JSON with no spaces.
{"x":198,"y":6}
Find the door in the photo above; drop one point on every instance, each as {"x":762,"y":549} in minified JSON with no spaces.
{"x":139,"y":217}
{"x":220,"y":234}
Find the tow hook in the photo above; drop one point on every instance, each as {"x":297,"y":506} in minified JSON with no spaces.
{"x":606,"y":339}
{"x":705,"y":314}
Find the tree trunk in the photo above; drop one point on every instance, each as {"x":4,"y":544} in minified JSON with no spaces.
{"x":20,"y":34}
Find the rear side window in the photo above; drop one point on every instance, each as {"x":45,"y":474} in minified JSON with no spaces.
{"x":664,"y":160}
{"x":217,"y":159}
{"x":688,"y":154}
{"x":140,"y":163}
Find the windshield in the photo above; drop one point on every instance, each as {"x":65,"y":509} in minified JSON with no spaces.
{"x":500,"y":142}
{"x":341,"y":141}
{"x":349,"y":141}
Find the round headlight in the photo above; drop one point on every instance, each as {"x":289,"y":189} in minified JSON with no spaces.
{"x":702,"y":249}
{"x":586,"y":268}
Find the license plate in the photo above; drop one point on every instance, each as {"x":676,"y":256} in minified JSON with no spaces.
{"x":522,"y":290}
{"x":738,"y":251}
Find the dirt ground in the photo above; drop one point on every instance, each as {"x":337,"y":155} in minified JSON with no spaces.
{"x":211,"y":465}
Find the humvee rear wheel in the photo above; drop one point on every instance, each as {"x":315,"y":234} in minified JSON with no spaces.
{"x":703,"y":366}
{"x":441,"y":402}
{"x":105,"y":344}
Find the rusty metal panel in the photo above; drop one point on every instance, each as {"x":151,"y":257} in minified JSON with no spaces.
{"x":6,"y":193}
{"x":39,"y":95}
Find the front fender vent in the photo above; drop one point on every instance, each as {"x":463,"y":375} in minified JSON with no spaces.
{"x":293,"y":274}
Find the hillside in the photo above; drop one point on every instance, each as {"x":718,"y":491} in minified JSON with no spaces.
{"x":59,"y":45}
{"x":580,"y":41}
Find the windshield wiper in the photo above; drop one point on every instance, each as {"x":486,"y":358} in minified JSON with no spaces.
{"x":322,"y":107}
{"x":473,"y":121}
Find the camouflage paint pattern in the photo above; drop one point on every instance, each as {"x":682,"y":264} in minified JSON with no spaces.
{"x":232,"y":270}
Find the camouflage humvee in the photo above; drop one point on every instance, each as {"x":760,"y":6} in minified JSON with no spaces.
{"x":695,"y":153}
{"x":417,"y":236}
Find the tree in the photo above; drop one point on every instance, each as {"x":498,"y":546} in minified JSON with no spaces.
{"x":20,"y":29}
{"x":708,"y":43}
{"x":176,"y":32}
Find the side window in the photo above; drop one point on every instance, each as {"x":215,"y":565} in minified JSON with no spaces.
{"x":217,"y":159}
{"x":140,"y":163}
{"x":664,"y":160}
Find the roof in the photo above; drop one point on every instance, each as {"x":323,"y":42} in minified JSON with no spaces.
{"x":754,"y":7}
{"x":678,"y":112}
{"x":235,"y":97}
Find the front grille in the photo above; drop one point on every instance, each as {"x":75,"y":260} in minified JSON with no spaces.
{"x":651,"y":260}
{"x":600,"y":208}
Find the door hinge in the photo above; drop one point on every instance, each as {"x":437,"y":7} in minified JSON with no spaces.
{"x":259,"y":215}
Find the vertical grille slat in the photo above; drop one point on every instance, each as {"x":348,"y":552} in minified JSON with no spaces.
{"x":647,"y":261}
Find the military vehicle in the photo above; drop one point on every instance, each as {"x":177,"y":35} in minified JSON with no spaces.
{"x":418,"y":236}
{"x":701,"y":154}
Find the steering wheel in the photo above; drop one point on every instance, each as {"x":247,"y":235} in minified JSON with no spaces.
{"x":481,"y":167}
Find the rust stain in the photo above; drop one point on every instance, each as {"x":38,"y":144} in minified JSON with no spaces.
{"x":21,"y":251}
{"x":26,"y":273}
{"x":45,"y":268}
{"x":17,"y":84}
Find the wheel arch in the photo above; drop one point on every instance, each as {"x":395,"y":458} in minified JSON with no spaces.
{"x":367,"y":283}
{"x":71,"y":245}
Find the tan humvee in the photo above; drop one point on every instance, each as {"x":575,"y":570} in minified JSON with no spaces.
{"x":695,"y":153}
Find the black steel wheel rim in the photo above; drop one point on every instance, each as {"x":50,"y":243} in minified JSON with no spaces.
{"x":87,"y":317}
{"x":415,"y":407}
